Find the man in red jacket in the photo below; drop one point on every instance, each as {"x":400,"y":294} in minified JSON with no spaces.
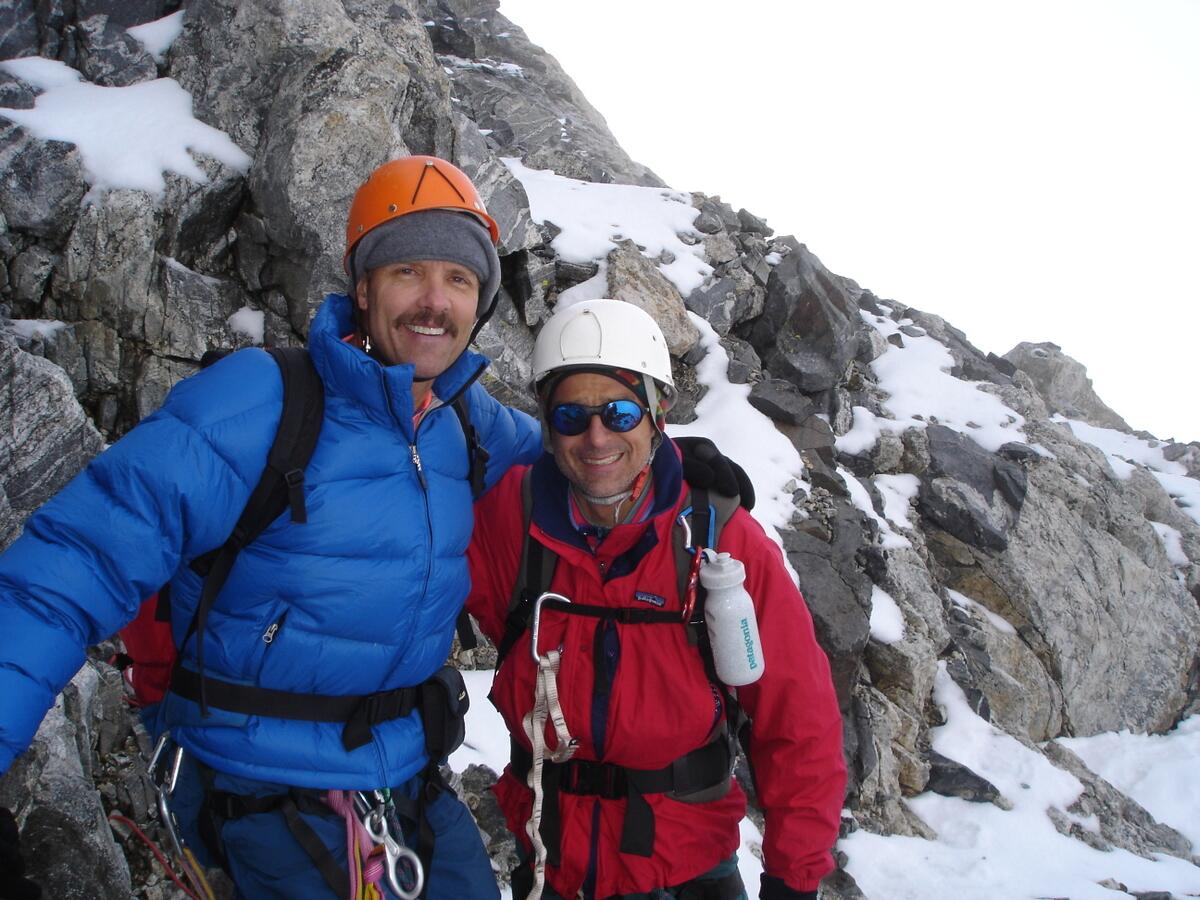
{"x":620,"y":782}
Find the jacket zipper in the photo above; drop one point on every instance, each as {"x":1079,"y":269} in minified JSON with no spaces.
{"x":420,"y":468}
{"x":416,"y":461}
{"x":268,"y":636}
{"x":416,"y":458}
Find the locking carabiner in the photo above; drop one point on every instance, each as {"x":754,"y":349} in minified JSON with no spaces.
{"x":397,"y":856}
{"x":164,"y":787}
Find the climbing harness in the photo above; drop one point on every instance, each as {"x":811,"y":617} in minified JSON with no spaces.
{"x":545,"y":707}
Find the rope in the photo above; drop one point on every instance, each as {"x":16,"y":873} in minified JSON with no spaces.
{"x":365,"y":872}
{"x":195,"y":873}
{"x":545,"y":706}
{"x":206,"y":891}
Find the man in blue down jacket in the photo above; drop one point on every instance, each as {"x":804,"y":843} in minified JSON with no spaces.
{"x":359,"y":600}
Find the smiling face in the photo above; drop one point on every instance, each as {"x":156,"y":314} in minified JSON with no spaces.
{"x":419,"y":313}
{"x":599,"y":463}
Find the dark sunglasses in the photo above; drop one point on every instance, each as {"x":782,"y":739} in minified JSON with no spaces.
{"x":620,"y":416}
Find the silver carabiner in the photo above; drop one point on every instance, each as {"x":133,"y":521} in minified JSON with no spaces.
{"x":396,"y":854}
{"x":537,"y":616}
{"x":166,"y":787}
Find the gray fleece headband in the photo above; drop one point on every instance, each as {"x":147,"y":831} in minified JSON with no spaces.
{"x":431,"y":234}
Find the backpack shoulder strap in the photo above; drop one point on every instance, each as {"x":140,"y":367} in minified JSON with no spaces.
{"x":477,"y":460}
{"x":295,"y":440}
{"x":708,"y":513}
{"x":280,"y":487}
{"x":533,"y":577}
{"x":477,"y":456}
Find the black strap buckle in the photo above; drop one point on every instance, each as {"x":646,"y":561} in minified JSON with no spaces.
{"x":295,"y":494}
{"x":595,"y":779}
{"x":373,"y":709}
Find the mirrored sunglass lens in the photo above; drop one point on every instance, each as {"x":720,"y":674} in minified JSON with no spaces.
{"x":570,"y":418}
{"x":621,"y":415}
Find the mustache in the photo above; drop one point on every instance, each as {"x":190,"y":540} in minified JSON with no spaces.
{"x":429,"y":319}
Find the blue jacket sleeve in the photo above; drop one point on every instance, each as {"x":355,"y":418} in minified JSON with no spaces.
{"x":509,"y":436}
{"x":168,"y":491}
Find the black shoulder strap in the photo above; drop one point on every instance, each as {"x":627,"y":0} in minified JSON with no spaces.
{"x":295,"y":439}
{"x":280,"y":487}
{"x":477,"y":457}
{"x":533,"y":578}
{"x":466,"y":634}
{"x":477,"y":460}
{"x":709,"y":514}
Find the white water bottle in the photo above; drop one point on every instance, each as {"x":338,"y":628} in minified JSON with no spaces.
{"x":732,"y":624}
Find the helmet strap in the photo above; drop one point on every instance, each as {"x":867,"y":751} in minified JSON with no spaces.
{"x":483,"y":318}
{"x":651,"y":395}
{"x":639,"y":483}
{"x":608,"y":500}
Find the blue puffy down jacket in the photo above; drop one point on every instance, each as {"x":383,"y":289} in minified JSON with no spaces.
{"x":362,"y":598}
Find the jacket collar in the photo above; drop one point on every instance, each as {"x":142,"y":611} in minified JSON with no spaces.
{"x":383,"y":392}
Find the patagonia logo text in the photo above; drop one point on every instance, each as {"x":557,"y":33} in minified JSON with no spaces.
{"x":652,"y":599}
{"x":749,"y":642}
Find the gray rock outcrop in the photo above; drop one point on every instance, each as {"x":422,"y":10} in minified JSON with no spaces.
{"x":45,"y":436}
{"x":65,"y":837}
{"x":810,"y":323}
{"x":1063,"y":384}
{"x":520,"y":98}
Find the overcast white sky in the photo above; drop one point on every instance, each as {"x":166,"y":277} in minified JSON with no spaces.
{"x":1027,"y":170}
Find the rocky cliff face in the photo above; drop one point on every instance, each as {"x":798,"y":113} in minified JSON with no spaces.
{"x":1031,"y":568}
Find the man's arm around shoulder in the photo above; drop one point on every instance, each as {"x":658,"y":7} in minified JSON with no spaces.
{"x":509,"y":436}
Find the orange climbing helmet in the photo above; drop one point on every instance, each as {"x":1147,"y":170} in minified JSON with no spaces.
{"x":412,"y":184}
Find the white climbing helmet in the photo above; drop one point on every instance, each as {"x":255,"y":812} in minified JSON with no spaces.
{"x":609,"y":333}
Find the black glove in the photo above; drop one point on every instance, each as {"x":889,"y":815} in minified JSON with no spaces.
{"x":704,"y":466}
{"x":774,"y":889}
{"x":13,"y":883}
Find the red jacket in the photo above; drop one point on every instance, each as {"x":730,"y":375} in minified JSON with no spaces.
{"x":661,"y":705}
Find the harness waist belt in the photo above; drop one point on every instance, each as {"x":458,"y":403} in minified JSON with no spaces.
{"x":705,"y":769}
{"x":358,"y":711}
